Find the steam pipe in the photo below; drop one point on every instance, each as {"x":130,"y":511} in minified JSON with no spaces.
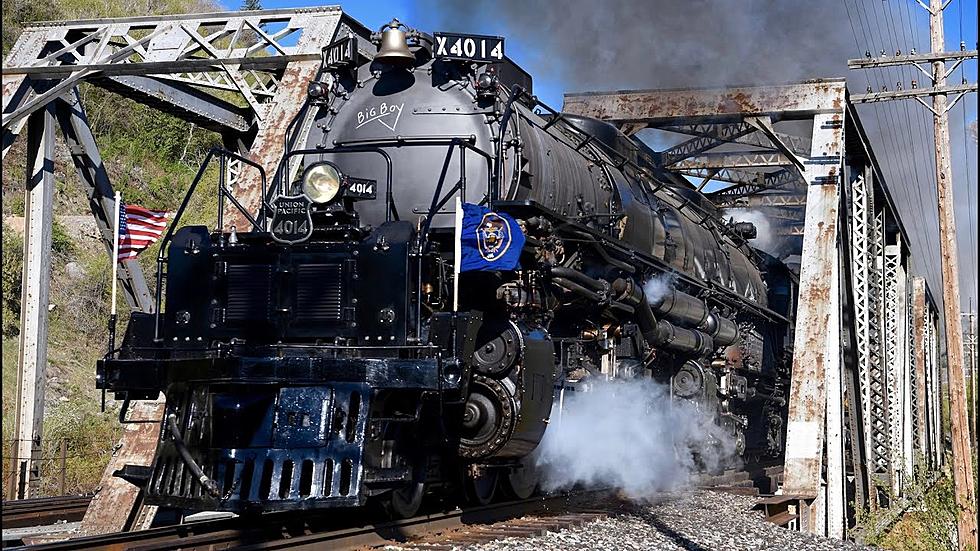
{"x":681,"y":308}
{"x":688,"y":311}
{"x":629,"y":293}
{"x":661,"y":334}
{"x":576,"y":288}
{"x":581,"y":285}
{"x":679,"y":339}
{"x":726,"y":332}
{"x":579,"y":277}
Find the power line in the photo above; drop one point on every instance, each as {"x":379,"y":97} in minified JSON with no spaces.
{"x":895,"y":170}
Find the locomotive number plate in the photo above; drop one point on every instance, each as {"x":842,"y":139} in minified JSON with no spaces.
{"x":291,"y":220}
{"x":469,"y":47}
{"x":361,"y":188}
{"x":341,"y":53}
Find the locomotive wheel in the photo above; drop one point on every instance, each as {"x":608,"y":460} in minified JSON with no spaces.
{"x":480,"y":489}
{"x":488,"y":417}
{"x":498,"y":347}
{"x":405,"y":502}
{"x":522,"y":481}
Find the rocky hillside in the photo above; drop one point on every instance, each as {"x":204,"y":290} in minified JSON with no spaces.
{"x":151,"y":158}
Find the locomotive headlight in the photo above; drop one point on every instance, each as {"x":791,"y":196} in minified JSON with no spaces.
{"x":321,"y":183}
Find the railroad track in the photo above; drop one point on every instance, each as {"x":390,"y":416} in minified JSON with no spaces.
{"x":343,"y":529}
{"x":318,"y":529}
{"x":45,"y":510}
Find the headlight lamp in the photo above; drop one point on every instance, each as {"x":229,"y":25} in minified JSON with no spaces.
{"x":321,"y":183}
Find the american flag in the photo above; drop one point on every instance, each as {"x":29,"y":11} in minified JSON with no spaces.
{"x":138,"y":229}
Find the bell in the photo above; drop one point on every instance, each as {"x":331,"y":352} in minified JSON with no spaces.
{"x":394,"y":46}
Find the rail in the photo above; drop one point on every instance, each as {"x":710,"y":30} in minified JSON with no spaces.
{"x":314,"y":529}
{"x":44,"y":510}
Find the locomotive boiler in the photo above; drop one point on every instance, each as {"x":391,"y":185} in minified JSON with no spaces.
{"x":325,"y":350}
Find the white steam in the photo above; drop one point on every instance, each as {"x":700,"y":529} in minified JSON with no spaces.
{"x":631,"y":436}
{"x":657,"y":287}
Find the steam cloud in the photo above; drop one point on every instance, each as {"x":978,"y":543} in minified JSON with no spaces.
{"x":766,"y":238}
{"x":629,"y":435}
{"x":658,"y":286}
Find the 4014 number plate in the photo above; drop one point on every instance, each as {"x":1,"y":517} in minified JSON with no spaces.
{"x":469,"y":47}
{"x":291,"y":220}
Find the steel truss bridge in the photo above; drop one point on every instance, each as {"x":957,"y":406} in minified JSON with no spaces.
{"x":865,"y":400}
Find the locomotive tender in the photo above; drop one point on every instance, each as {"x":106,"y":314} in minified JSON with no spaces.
{"x":321,"y":358}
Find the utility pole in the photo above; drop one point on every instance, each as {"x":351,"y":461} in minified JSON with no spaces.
{"x":962,"y":455}
{"x":970,"y":350}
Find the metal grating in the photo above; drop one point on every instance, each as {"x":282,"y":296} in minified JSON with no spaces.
{"x":877,"y":374}
{"x":319,"y":292}
{"x":249,"y":292}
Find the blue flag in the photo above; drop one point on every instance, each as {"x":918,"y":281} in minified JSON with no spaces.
{"x":487,"y":240}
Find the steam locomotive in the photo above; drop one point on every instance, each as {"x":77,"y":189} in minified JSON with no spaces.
{"x":328,"y":351}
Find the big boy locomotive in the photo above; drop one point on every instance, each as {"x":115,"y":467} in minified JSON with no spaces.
{"x":331,"y":349}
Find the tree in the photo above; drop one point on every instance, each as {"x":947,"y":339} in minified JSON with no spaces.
{"x":251,"y":5}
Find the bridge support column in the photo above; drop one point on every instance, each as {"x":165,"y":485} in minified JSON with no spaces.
{"x":35,"y":290}
{"x":817,"y":340}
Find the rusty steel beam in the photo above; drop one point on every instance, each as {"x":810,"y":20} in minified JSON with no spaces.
{"x":816,"y":343}
{"x":919,"y":349}
{"x":268,"y":147}
{"x":732,"y":159}
{"x":180,"y":100}
{"x":739,"y":132}
{"x":748,"y":183}
{"x":776,"y":200}
{"x":789,"y":101}
{"x":111,"y":506}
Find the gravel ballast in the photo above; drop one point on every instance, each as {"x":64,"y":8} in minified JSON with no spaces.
{"x":698,"y":521}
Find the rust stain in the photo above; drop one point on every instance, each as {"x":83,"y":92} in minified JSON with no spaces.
{"x":267,"y":148}
{"x":115,"y":498}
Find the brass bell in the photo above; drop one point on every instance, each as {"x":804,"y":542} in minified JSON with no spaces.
{"x":394,"y":46}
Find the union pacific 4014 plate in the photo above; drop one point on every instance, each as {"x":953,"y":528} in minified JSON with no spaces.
{"x":469,"y":47}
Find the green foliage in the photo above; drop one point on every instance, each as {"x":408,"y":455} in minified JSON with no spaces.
{"x":89,"y":436}
{"x":13,"y":264}
{"x":18,"y":12}
{"x":928,"y":525}
{"x":151,"y":157}
{"x":15,"y":204}
{"x":61,"y":241}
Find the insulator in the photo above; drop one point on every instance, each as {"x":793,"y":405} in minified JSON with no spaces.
{"x":915,"y":84}
{"x":912,"y":51}
{"x":869,"y":89}
{"x":898,"y":53}
{"x":898,"y":85}
{"x":883,"y":54}
{"x":867,"y":54}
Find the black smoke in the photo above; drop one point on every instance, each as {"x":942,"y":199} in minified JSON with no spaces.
{"x":591,"y":45}
{"x":601,"y":45}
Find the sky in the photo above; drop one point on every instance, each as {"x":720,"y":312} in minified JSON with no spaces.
{"x":579,"y":45}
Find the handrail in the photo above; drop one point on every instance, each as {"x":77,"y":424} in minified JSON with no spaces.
{"x":222,"y":192}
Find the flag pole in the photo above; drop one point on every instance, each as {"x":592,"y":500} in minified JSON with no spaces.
{"x":115,"y":254}
{"x":458,"y":251}
{"x":115,"y":282}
